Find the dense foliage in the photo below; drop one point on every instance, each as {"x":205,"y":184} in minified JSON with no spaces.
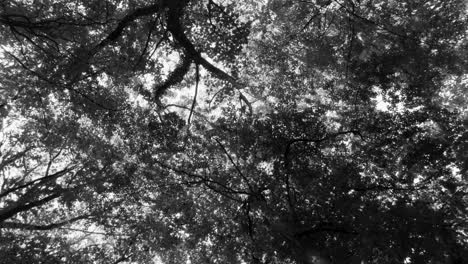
{"x":219,"y":131}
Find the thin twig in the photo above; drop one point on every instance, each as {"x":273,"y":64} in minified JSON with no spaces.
{"x":153,"y":25}
{"x":234,"y":164}
{"x":197,"y":80}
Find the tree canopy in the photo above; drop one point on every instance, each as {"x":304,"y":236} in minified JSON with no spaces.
{"x":221,"y":131}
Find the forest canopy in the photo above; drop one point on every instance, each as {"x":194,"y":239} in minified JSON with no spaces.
{"x":221,"y":131}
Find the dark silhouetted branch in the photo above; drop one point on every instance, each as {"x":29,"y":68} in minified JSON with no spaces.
{"x":10,"y":212}
{"x":15,"y":225}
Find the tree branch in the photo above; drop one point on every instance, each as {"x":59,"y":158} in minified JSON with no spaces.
{"x":148,"y":38}
{"x":39,"y":180}
{"x":175,"y":27}
{"x":124,"y":22}
{"x":197,"y":79}
{"x":324,"y":227}
{"x":210,"y":183}
{"x":315,"y":140}
{"x":235,"y":165}
{"x":10,"y":212}
{"x":15,"y":225}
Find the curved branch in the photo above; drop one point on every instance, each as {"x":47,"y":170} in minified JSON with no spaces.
{"x":174,"y":26}
{"x":175,"y":77}
{"x":78,"y":66}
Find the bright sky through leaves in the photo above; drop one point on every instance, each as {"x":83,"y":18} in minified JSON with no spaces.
{"x":212,"y":131}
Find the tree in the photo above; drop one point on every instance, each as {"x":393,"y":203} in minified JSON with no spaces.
{"x":313,"y":131}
